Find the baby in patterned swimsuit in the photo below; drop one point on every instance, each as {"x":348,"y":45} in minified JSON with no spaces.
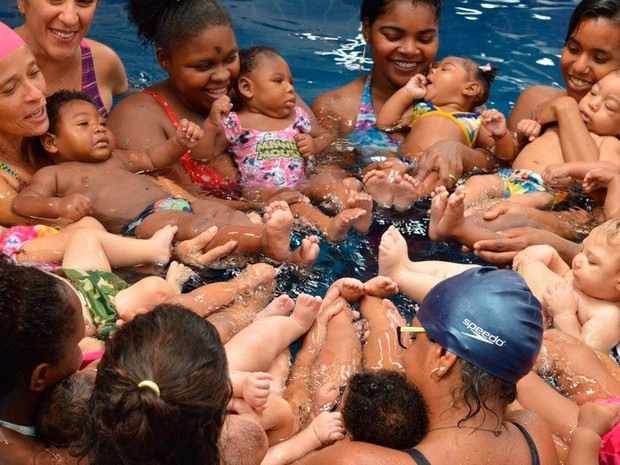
{"x":271,"y":139}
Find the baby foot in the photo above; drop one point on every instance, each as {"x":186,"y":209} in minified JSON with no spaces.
{"x":380,"y":286}
{"x":379,"y":186}
{"x":281,"y":305}
{"x":308,"y":251}
{"x":365,"y":202}
{"x":452,"y":222}
{"x":277,"y":233}
{"x":324,"y":398}
{"x":306,"y":310}
{"x":340,"y":224}
{"x":191,"y":251}
{"x":177,"y":274}
{"x":161,"y":244}
{"x":439,"y":204}
{"x":406,"y":190}
{"x":350,"y":288}
{"x":255,"y":275}
{"x":393,"y":254}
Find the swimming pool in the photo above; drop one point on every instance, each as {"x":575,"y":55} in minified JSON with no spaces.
{"x":322,"y":43}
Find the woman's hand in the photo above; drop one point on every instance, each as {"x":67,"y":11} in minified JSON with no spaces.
{"x":444,"y":157}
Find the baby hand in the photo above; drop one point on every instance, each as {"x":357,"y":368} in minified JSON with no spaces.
{"x":220,"y":108}
{"x":598,"y":178}
{"x":559,"y":299}
{"x":74,"y":207}
{"x":552,"y":174}
{"x":305,"y":145}
{"x":495,"y":122}
{"x":529,"y":128}
{"x":599,"y":416}
{"x":416,"y":87}
{"x":534,"y":253}
{"x":188,"y":134}
{"x":328,"y":427}
{"x":256,"y":390}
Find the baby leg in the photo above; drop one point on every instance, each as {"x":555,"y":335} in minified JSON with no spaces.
{"x":143,"y":296}
{"x":334,"y":228}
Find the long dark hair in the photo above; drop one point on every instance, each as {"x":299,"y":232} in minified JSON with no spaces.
{"x":593,"y":9}
{"x":373,"y":9}
{"x":181,"y":423}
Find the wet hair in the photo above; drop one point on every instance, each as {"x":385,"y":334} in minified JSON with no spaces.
{"x":483,"y":75}
{"x":183,"y":355}
{"x":382,"y":407}
{"x":611,"y":230}
{"x":477,"y":387}
{"x":373,"y":9}
{"x":593,"y":9}
{"x":37,"y":318}
{"x":249,"y":58}
{"x":59,"y":99}
{"x":243,"y":441}
{"x":64,"y":410}
{"x":171,"y":23}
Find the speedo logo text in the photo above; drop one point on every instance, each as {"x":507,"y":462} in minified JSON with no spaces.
{"x":481,"y":334}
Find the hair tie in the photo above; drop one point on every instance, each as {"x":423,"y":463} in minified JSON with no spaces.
{"x":151,"y":385}
{"x":486,"y":67}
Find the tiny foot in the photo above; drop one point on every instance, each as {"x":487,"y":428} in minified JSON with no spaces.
{"x":407,"y":190}
{"x":306,"y":310}
{"x":349,"y":288}
{"x":281,"y":305}
{"x":340,"y":224}
{"x":365,"y":202}
{"x":277,"y":234}
{"x":452,"y":221}
{"x":439,"y":204}
{"x":177,"y":274}
{"x":393,"y":253}
{"x":308,"y":251}
{"x":381,"y":286}
{"x":161,"y":242}
{"x":379,"y":186}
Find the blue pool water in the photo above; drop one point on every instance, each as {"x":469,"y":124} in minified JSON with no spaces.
{"x":321,"y":40}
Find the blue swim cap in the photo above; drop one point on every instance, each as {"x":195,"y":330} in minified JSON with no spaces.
{"x":488,"y":317}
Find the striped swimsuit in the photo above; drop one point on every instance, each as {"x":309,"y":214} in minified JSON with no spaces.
{"x":89,"y":80}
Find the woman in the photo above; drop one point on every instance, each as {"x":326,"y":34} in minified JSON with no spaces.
{"x":55,"y":32}
{"x":403,"y":36}
{"x":465,"y":354}
{"x":22,"y":116}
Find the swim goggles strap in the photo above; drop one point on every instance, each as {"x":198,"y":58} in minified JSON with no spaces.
{"x":151,"y":385}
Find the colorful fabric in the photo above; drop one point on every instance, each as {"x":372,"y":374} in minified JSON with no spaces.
{"x":99,"y":288}
{"x":14,"y":238}
{"x":22,"y":182}
{"x":169,"y":203}
{"x":199,"y":172}
{"x":268,"y":159}
{"x":522,"y":181}
{"x":89,"y":79}
{"x":375,"y":145}
{"x":609,"y":453}
{"x":467,"y":122}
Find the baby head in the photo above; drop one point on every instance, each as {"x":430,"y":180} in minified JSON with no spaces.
{"x":596,"y":269}
{"x":459,"y":77}
{"x":383,"y":408}
{"x":265,"y":82}
{"x":77,"y":131}
{"x":161,"y":391}
{"x":64,"y":410}
{"x":600,"y":107}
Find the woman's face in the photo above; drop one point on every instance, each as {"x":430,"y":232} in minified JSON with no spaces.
{"x":403,"y":41}
{"x":591,"y":52}
{"x":55,"y":28}
{"x":416,"y":356}
{"x":22,"y":96}
{"x":204,"y":68}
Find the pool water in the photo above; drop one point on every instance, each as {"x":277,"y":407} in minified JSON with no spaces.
{"x":322,"y":42}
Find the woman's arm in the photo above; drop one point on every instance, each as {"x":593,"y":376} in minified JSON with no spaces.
{"x":7,"y":216}
{"x":337,"y":110}
{"x":110,"y":72}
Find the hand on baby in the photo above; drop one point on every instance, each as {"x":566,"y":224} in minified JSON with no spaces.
{"x":416,"y":86}
{"x":599,"y":416}
{"x":188,"y":134}
{"x":305,"y":145}
{"x":559,"y":299}
{"x":495,"y":122}
{"x":599,"y":178}
{"x":256,"y":390}
{"x":535,"y":253}
{"x":74,"y":206}
{"x":529,"y":128}
{"x":328,"y":427}
{"x":552,"y":174}
{"x":220,"y":108}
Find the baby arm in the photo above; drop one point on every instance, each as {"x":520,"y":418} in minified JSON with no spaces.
{"x":394,"y":108}
{"x":40,"y":199}
{"x":545,"y":254}
{"x":325,"y":428}
{"x":553,"y":174}
{"x":494,"y":128}
{"x":254,"y":388}
{"x":214,"y":138}
{"x":600,"y":178}
{"x":595,"y":419}
{"x":560,"y":303}
{"x":186,"y":137}
{"x":314,"y":143}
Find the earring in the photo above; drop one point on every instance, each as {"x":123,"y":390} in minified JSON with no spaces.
{"x":20,"y":8}
{"x":439,"y":369}
{"x":363,"y":58}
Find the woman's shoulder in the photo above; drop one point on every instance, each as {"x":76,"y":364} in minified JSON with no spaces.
{"x":539,"y":432}
{"x":108,"y":67}
{"x":355,"y":453}
{"x":529,"y":99}
{"x":340,"y":106}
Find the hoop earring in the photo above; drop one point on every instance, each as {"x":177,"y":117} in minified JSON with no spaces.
{"x":362,"y":59}
{"x":438,"y":369}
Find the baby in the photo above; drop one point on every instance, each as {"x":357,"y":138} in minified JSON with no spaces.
{"x":271,"y":140}
{"x":451,"y":91}
{"x":91,"y":177}
{"x":544,"y":165}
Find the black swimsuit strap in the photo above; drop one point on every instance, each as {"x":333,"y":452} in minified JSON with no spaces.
{"x":419,"y":458}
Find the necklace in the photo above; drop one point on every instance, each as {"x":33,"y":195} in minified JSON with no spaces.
{"x":496,"y":432}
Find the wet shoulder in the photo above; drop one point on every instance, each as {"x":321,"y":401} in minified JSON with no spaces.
{"x":109,"y":68}
{"x":337,"y":110}
{"x":529,"y":99}
{"x":355,"y":453}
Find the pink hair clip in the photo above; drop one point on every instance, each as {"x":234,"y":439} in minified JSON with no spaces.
{"x":486,"y":67}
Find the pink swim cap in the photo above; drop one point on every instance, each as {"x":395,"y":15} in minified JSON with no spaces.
{"x":9,"y":40}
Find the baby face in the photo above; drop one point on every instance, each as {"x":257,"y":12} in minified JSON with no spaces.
{"x":272,"y":82}
{"x":596,"y":270}
{"x":82,"y":134}
{"x":446,"y":80}
{"x":600,"y":107}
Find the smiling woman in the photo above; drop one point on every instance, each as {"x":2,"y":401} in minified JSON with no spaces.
{"x":55,"y":33}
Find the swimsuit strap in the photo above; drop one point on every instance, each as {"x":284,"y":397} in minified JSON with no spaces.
{"x":164,"y":105}
{"x":21,"y":429}
{"x":530,"y":444}
{"x":89,"y":79}
{"x":22,"y":182}
{"x":417,"y":456}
